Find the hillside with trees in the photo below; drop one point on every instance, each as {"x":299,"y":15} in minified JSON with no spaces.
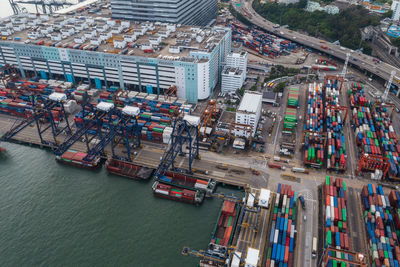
{"x":344,"y":26}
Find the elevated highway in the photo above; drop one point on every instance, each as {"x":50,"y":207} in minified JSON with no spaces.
{"x":362,"y":61}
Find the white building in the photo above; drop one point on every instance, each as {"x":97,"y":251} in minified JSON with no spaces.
{"x":231,"y":79}
{"x":237,"y":60}
{"x":396,"y":10}
{"x":249,"y":112}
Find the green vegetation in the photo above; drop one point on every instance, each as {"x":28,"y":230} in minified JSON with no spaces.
{"x":344,"y":26}
{"x":395,"y":42}
{"x":280,"y":87}
{"x":280,"y":71}
{"x":240,"y":91}
{"x":231,"y":109}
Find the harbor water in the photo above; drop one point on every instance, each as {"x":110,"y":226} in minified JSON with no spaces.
{"x":58,"y":215}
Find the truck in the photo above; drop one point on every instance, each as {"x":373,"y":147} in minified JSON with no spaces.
{"x":314,"y":247}
{"x":301,"y":170}
{"x":303,"y":202}
{"x":324,"y":47}
{"x":276,"y":166}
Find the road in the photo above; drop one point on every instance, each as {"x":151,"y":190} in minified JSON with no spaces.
{"x":364,"y":62}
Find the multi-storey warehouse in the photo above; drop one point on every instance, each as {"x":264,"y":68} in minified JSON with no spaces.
{"x":187,"y":12}
{"x":137,"y":56}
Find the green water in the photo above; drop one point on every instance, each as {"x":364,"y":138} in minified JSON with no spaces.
{"x":58,"y":215}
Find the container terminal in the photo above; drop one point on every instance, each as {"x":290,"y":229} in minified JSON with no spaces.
{"x":158,"y":130}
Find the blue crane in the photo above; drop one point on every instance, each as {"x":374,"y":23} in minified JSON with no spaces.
{"x":94,"y":119}
{"x":42,"y":108}
{"x":183,"y":133}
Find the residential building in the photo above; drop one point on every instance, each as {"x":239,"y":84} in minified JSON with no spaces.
{"x":186,"y":12}
{"x":249,"y":112}
{"x":396,"y":10}
{"x":117,"y":52}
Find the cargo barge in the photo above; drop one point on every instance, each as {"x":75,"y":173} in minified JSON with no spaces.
{"x":75,"y":158}
{"x":187,"y":182}
{"x":178,"y":194}
{"x":128,"y":170}
{"x":382,"y":230}
{"x":282,"y":237}
{"x":222,"y":235}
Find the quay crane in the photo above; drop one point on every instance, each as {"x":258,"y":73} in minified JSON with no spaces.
{"x":121,"y":124}
{"x":184,"y":134}
{"x":42,"y":108}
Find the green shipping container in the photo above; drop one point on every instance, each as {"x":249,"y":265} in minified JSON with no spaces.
{"x":328,"y":238}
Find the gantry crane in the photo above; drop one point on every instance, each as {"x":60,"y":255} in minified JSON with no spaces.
{"x":385,"y":105}
{"x":184,"y":135}
{"x":91,"y":118}
{"x":42,"y":6}
{"x":241,"y":127}
{"x":334,"y":77}
{"x":373,"y":162}
{"x":206,"y":119}
{"x":358,"y":259}
{"x":338,"y":108}
{"x":42,"y":109}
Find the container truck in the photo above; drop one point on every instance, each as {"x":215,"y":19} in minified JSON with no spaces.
{"x":301,"y":170}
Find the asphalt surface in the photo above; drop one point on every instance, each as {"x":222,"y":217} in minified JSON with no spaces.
{"x":363,"y":61}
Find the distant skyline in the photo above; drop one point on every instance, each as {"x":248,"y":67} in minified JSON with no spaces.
{"x":6,"y":10}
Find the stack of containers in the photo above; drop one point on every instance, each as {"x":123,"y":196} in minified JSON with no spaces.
{"x":363,"y":125}
{"x":336,"y":158}
{"x":388,"y":139}
{"x":379,"y":224}
{"x":314,"y":121}
{"x":282,"y":237}
{"x":335,"y":206}
{"x":293,"y":97}
{"x":290,"y":120}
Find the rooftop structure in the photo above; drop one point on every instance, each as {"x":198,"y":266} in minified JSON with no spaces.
{"x":249,"y":102}
{"x":231,"y":79}
{"x":249,"y":112}
{"x":89,"y":46}
{"x":188,"y":12}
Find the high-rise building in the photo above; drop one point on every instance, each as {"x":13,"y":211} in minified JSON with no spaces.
{"x":186,"y":12}
{"x":396,"y":10}
{"x":146,"y":57}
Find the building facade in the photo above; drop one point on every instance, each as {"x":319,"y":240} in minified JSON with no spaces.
{"x":231,"y":79}
{"x":249,"y":112}
{"x":186,"y":12}
{"x":396,"y":10}
{"x":193,"y":67}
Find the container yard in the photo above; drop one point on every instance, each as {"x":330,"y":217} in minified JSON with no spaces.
{"x":281,"y":241}
{"x":261,"y":42}
{"x":381,"y":223}
{"x":375,"y":135}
